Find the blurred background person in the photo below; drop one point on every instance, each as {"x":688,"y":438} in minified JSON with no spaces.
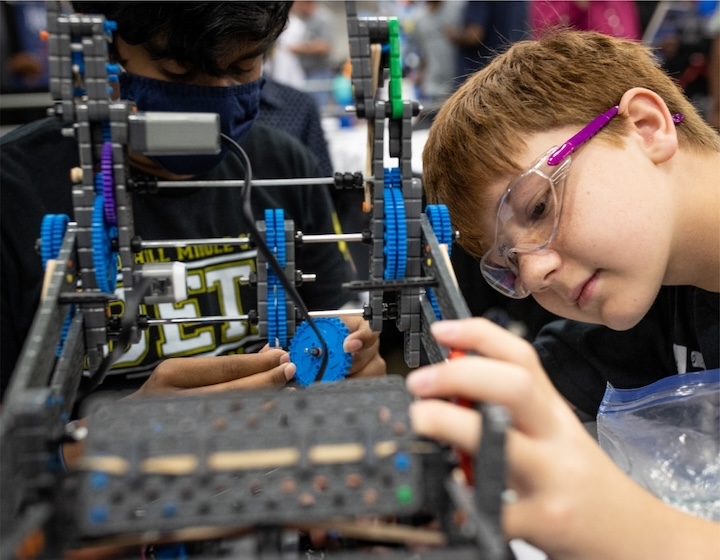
{"x":314,"y":48}
{"x":282,"y":64}
{"x":24,"y":54}
{"x":429,"y":37}
{"x":714,"y":69}
{"x":681,"y":34}
{"x":618,"y":18}
{"x":487,"y":28}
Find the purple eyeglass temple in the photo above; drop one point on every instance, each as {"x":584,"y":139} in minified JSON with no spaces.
{"x":592,"y":128}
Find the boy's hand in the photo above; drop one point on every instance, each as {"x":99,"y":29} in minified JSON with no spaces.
{"x":268,"y":368}
{"x":364,"y":344}
{"x":560,"y":476}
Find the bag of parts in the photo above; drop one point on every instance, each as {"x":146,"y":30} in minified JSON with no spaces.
{"x":666,"y":436}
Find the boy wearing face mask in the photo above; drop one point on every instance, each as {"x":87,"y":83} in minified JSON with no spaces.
{"x":192,"y":57}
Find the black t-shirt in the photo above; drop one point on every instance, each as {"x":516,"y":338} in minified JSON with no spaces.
{"x":34,"y":176}
{"x":679,"y":334}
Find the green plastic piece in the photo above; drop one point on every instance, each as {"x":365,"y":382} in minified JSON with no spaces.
{"x":396,"y":103}
{"x":404,"y":494}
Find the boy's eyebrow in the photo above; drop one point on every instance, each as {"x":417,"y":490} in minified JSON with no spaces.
{"x":261,"y":49}
{"x":159,"y":51}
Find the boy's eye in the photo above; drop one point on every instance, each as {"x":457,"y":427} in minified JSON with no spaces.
{"x":173,"y":76}
{"x":174,"y":70}
{"x":240,"y":70}
{"x":244,"y":69}
{"x":538,"y":208}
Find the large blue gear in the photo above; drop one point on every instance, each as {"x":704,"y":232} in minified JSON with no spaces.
{"x":305,"y":347}
{"x":276,"y":304}
{"x":395,"y":226}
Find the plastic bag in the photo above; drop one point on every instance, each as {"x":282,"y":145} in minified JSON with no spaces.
{"x":666,"y":436}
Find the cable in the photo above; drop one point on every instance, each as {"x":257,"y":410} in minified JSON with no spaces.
{"x":274,"y":264}
{"x":133,"y":303}
{"x":132,"y":306}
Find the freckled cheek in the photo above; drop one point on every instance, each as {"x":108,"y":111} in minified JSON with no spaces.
{"x":586,"y":225}
{"x":485,"y":224}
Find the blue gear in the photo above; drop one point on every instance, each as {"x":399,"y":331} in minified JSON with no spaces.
{"x":105,"y":260}
{"x":395,"y":226}
{"x":308,"y":363}
{"x":439,"y":217}
{"x":52,"y":232}
{"x":65,"y":329}
{"x":276,"y":304}
{"x":433,"y":303}
{"x":107,"y":129}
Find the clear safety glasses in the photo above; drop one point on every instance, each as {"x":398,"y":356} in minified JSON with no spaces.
{"x":527,"y":219}
{"x":529,"y":211}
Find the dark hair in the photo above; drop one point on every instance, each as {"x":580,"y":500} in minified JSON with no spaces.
{"x":197,"y":33}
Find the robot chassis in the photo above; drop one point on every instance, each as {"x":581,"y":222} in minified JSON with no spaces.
{"x":261,"y":464}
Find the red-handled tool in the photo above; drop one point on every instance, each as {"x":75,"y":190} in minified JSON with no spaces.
{"x":465,"y":459}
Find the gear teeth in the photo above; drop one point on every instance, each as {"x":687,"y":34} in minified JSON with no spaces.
{"x":277,"y":299}
{"x":439,"y":218}
{"x":52,"y":232}
{"x":339,"y":362}
{"x":395,"y":226}
{"x":105,"y":260}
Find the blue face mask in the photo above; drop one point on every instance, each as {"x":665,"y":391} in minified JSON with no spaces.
{"x":238,"y":107}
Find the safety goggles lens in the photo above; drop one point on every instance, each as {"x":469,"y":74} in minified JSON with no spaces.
{"x":527,"y":218}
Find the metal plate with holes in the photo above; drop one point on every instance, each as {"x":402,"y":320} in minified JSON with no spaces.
{"x":328,"y":451}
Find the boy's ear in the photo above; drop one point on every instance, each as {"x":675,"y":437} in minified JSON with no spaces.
{"x":648,"y":117}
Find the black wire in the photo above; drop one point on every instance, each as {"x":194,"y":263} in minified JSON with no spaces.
{"x":133,"y":303}
{"x":262,"y":246}
{"x":128,"y":322}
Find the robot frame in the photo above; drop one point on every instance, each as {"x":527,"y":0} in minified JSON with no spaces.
{"x":261,"y":464}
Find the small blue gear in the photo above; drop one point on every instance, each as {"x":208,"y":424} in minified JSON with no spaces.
{"x":434,"y":303}
{"x":105,"y":260}
{"x":52,"y":232}
{"x":439,"y":217}
{"x":305,"y":351}
{"x":276,"y":304}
